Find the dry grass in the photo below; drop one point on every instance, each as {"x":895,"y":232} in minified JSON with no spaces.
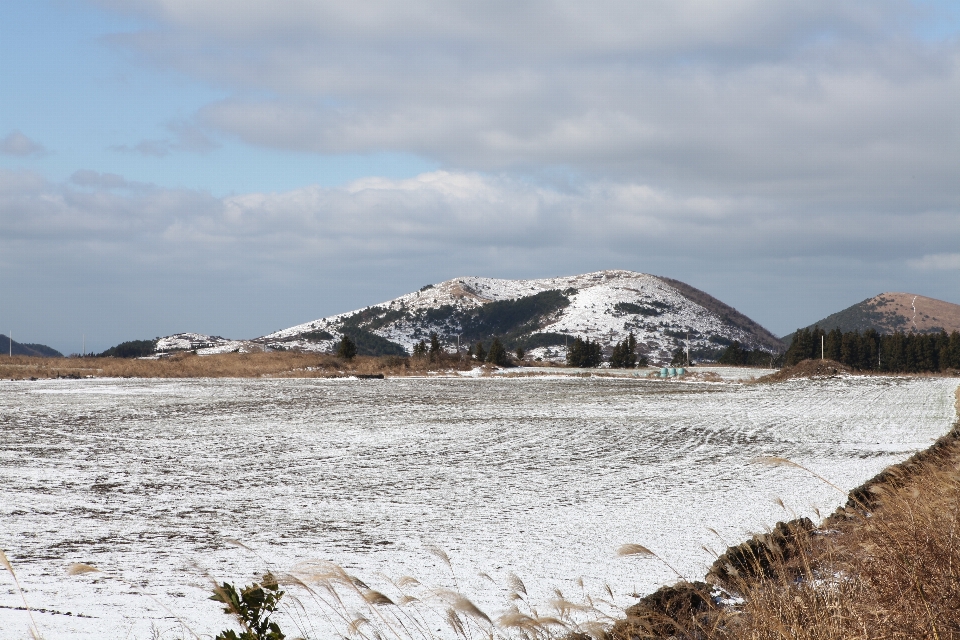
{"x":277,"y":364}
{"x":886,"y":566}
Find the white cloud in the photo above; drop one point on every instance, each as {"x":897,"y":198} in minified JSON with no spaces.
{"x":446,"y":213}
{"x":17,"y":144}
{"x":186,"y":137}
{"x":833,"y":104}
{"x":936,"y":262}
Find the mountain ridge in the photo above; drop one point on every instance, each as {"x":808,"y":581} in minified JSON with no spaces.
{"x":27,"y":349}
{"x":541,"y":315}
{"x":894,"y":311}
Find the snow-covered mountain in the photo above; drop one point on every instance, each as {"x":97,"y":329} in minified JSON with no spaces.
{"x":540,"y":315}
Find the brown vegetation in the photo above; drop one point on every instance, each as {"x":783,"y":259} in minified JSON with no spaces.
{"x":918,"y":313}
{"x":809,"y":369}
{"x":277,"y":364}
{"x":887,"y":565}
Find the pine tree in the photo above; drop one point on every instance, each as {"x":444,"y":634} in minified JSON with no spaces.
{"x":435,"y":350}
{"x":584,"y":353}
{"x":734,"y":355}
{"x":520,"y":353}
{"x":480,"y":352}
{"x":347,"y":349}
{"x":624,"y":354}
{"x":497,"y":354}
{"x":833,"y":345}
{"x":420,"y":349}
{"x":575,"y":353}
{"x":680,"y":358}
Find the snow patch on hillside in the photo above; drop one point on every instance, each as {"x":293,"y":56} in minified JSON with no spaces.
{"x":658,"y":314}
{"x":204,"y":345}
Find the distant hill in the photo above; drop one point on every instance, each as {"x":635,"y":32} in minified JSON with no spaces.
{"x":541,"y":316}
{"x":890,"y":312}
{"x":131,"y":349}
{"x":27,"y":349}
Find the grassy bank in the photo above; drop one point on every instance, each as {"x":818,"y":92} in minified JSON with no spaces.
{"x":886,"y":565}
{"x":275,"y":364}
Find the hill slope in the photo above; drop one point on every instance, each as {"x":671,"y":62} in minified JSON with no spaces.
{"x":27,"y":349}
{"x":890,"y":312}
{"x":540,"y":315}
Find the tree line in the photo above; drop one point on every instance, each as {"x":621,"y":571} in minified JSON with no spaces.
{"x":583,"y":353}
{"x":870,"y":351}
{"x":736,"y":354}
{"x":586,"y":354}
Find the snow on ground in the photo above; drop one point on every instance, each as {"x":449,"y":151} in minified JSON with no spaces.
{"x":591,"y":314}
{"x":204,"y":345}
{"x":189,"y":341}
{"x":727,"y":374}
{"x":149,"y":479}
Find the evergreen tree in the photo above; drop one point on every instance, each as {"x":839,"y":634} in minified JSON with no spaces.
{"x":679,"y":358}
{"x":520,"y":353}
{"x":870,"y":351}
{"x":869,"y":343}
{"x":833,"y":345}
{"x":735,"y":354}
{"x":497,"y":354}
{"x":624,"y":354}
{"x":805,"y":346}
{"x":584,"y":353}
{"x":480,"y":352}
{"x":850,"y":349}
{"x":347,"y":348}
{"x":420,"y":349}
{"x":952,"y":358}
{"x":435,"y":350}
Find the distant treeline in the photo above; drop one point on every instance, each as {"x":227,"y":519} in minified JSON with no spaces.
{"x":736,"y":354}
{"x":869,"y":351}
{"x":130,"y":349}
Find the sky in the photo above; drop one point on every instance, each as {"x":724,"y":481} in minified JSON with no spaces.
{"x":237,"y":167}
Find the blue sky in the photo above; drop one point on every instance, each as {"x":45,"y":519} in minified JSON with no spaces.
{"x":71,"y":85}
{"x":235,"y":168}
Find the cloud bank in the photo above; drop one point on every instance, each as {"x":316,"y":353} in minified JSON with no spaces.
{"x":828,"y":99}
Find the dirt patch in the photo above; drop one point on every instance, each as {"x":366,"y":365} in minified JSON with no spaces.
{"x":809,"y":369}
{"x":702,"y":376}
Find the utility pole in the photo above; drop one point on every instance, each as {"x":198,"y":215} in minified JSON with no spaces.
{"x":10,"y":341}
{"x":821,"y":348}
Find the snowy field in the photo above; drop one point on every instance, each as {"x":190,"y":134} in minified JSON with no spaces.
{"x":727,"y":374}
{"x":149,"y":479}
